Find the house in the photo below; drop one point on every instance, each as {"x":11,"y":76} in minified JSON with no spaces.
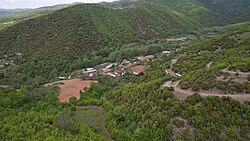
{"x":166,"y":52}
{"x":177,"y":74}
{"x":19,"y":54}
{"x":88,"y":70}
{"x":106,"y":70}
{"x":111,"y":74}
{"x":212,"y":34}
{"x":204,"y":52}
{"x":62,"y":78}
{"x":102,"y":65}
{"x":173,"y":61}
{"x":137,"y":70}
{"x":129,"y":65}
{"x":110,"y":65}
{"x":125,"y":63}
{"x":170,"y":40}
{"x":119,"y":72}
{"x":142,"y":58}
{"x":182,"y":39}
{"x":92,"y":74}
{"x":150,"y":57}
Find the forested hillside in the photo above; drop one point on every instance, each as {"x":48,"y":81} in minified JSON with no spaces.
{"x":230,"y":8}
{"x":116,"y":61}
{"x":81,"y":35}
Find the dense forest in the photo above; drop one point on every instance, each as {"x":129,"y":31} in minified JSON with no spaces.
{"x":130,"y":107}
{"x":227,"y":51}
{"x":82,"y":35}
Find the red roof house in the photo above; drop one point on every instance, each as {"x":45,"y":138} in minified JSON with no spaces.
{"x":137,"y":70}
{"x":106,"y":70}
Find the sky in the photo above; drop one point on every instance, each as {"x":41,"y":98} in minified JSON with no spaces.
{"x":12,"y":4}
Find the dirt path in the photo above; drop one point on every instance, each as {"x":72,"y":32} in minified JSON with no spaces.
{"x":242,"y":75}
{"x":209,"y":65}
{"x":183,"y":94}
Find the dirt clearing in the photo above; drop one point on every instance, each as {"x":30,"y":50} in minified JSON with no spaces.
{"x":71,"y":88}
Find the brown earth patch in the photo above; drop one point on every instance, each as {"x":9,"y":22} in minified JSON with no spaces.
{"x":71,"y":88}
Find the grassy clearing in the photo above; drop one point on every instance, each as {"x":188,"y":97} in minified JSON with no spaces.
{"x":245,"y":35}
{"x":93,"y":116}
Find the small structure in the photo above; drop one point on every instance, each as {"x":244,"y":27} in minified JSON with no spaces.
{"x":106,"y":70}
{"x":170,"y":40}
{"x":182,"y":39}
{"x":166,"y":52}
{"x":90,"y":72}
{"x":126,"y":63}
{"x":110,"y":65}
{"x":119,"y":72}
{"x":111,"y":75}
{"x":173,"y":61}
{"x":129,"y":65}
{"x":150,"y":57}
{"x":19,"y":54}
{"x":204,"y":52}
{"x":62,"y":78}
{"x":137,"y":70}
{"x":212,"y":34}
{"x":69,"y":77}
{"x":142,"y":58}
{"x":177,"y":74}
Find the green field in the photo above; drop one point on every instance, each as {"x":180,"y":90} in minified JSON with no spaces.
{"x":94,"y":117}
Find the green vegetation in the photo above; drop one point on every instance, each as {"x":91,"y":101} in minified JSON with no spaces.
{"x":36,"y":114}
{"x":92,"y":116}
{"x":127,"y":108}
{"x":226,"y":51}
{"x":140,"y":111}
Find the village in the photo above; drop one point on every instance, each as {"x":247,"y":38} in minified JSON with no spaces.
{"x":135,"y":66}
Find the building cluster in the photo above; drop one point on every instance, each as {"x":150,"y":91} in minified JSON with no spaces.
{"x":181,"y":39}
{"x":114,"y":70}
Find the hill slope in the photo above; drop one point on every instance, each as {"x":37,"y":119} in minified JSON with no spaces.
{"x":88,"y":27}
{"x":82,"y":35}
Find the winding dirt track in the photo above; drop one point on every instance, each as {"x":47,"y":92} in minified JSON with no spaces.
{"x":183,"y":94}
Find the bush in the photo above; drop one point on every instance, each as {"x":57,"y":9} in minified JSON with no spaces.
{"x":196,"y":87}
{"x":185,"y":85}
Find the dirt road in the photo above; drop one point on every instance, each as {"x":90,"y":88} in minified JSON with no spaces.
{"x":183,"y":94}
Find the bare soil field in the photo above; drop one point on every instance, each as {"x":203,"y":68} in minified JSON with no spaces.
{"x":71,"y":88}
